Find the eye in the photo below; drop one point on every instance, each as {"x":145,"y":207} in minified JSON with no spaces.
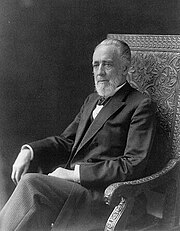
{"x":95,"y":65}
{"x":108,"y":65}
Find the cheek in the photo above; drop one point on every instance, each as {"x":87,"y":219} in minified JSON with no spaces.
{"x":94,"y":74}
{"x":112,"y":75}
{"x":95,"y":79}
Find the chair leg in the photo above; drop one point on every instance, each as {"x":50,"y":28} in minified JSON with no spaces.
{"x":169,"y":216}
{"x":119,"y":215}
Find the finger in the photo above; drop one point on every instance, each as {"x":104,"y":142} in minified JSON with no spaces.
{"x":51,"y":174}
{"x":18,"y":175}
{"x":21,"y":171}
{"x":54,"y":173}
{"x":25,"y":170}
{"x":13,"y":175}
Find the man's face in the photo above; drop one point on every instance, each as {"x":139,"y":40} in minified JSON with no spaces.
{"x":108,"y":70}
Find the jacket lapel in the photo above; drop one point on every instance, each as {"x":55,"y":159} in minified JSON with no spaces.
{"x":114,"y":104}
{"x":85,"y":118}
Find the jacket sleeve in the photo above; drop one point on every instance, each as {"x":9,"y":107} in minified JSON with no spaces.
{"x":56,"y":150}
{"x":133,"y":162}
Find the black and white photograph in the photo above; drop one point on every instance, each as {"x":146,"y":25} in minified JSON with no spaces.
{"x":89,"y":115}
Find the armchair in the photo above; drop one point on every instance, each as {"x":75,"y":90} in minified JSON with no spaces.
{"x":155,"y":71}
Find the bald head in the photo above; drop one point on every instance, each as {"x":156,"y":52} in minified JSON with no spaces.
{"x":122,"y":48}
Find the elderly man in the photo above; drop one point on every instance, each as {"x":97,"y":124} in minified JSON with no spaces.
{"x":108,"y":141}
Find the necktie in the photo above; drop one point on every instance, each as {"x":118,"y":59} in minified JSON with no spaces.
{"x":102,"y":100}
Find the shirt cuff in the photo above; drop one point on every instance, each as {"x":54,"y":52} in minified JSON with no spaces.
{"x":77,"y":173}
{"x":26,"y":146}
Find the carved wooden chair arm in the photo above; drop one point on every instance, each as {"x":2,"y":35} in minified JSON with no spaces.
{"x":116,"y":191}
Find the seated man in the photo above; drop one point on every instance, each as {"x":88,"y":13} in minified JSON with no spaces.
{"x":108,"y":141}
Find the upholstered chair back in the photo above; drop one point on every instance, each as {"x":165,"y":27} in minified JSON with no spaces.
{"x":155,"y":70}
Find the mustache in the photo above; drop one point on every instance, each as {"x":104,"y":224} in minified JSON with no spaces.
{"x":102,"y":80}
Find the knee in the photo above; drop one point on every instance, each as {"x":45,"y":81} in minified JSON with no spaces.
{"x":29,"y":179}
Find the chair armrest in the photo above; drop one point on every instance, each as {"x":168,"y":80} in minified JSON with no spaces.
{"x":128,"y":189}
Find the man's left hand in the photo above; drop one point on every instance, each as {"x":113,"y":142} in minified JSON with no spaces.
{"x":63,"y":174}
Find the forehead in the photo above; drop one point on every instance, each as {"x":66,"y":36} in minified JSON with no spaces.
{"x":104,"y":52}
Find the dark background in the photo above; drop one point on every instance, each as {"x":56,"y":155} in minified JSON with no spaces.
{"x":45,"y":61}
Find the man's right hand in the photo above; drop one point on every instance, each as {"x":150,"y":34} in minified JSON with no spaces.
{"x":21,"y":165}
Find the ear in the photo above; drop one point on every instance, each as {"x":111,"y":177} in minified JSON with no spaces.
{"x":125,"y":69}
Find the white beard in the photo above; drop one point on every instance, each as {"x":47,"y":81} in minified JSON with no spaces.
{"x":106,"y":91}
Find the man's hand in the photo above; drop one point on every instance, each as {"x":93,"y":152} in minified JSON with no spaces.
{"x":63,"y":174}
{"x":21,"y":165}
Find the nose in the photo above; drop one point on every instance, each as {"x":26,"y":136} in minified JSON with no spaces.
{"x":101,"y":70}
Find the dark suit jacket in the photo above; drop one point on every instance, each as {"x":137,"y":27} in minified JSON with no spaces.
{"x":114,"y":147}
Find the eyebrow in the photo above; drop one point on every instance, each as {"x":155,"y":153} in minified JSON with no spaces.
{"x":104,"y":61}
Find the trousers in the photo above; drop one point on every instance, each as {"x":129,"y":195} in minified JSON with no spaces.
{"x":39,"y":201}
{"x":36,"y":203}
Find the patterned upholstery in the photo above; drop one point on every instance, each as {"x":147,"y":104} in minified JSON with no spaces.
{"x":155,"y":70}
